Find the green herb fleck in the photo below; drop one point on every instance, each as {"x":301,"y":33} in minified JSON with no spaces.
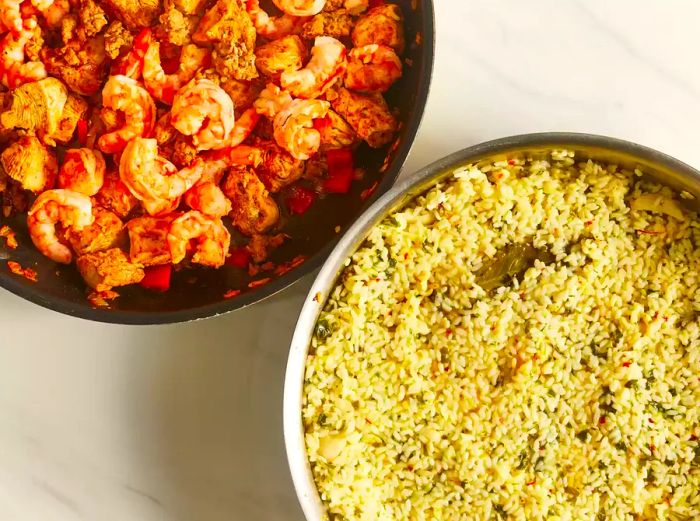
{"x":584,"y":435}
{"x":522,"y":460}
{"x":620,"y":445}
{"x":500,"y":511}
{"x":632,"y":384}
{"x":539,"y":464}
{"x":322,"y":419}
{"x":392,"y":262}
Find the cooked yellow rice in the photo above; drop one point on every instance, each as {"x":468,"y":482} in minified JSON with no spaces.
{"x":569,"y":393}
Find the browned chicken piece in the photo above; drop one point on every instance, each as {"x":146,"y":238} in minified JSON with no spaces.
{"x":116,"y":37}
{"x":92,"y":17}
{"x":104,"y":270}
{"x":316,"y":169}
{"x":37,"y":108}
{"x":135,"y":14}
{"x":74,"y":110}
{"x":333,"y":5}
{"x":149,"y":239}
{"x":243,"y":93}
{"x":184,"y":152}
{"x":260,"y":246}
{"x":29,"y":162}
{"x":188,"y":7}
{"x":337,"y":133}
{"x":33,"y":47}
{"x":382,"y":25}
{"x":368,"y":115}
{"x":254,"y":210}
{"x":228,"y":26}
{"x":337,"y":24}
{"x":15,"y":200}
{"x":277,"y":56}
{"x":115,"y":196}
{"x":164,"y":132}
{"x":176,"y":27}
{"x":106,"y":231}
{"x":81,"y":65}
{"x":278,"y":168}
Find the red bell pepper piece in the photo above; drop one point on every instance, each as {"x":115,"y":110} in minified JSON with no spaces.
{"x":157,"y":278}
{"x":300,"y":199}
{"x":341,"y":171}
{"x":81,"y":131}
{"x":323,"y":123}
{"x":239,"y":258}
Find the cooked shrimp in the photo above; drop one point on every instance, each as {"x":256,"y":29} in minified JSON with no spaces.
{"x":160,"y":207}
{"x":11,"y":15}
{"x":294,"y":130}
{"x":272,"y":100}
{"x":124,"y":94}
{"x":382,"y":25}
{"x":54,"y":12}
{"x":164,"y":86}
{"x":208,"y":199}
{"x":210,"y":237}
{"x":131,"y":64}
{"x":14,"y":71}
{"x":273,"y":27}
{"x":204,"y":111}
{"x":244,"y":127}
{"x":372,"y":68}
{"x":152,"y":178}
{"x":327,"y":64}
{"x":82,"y":171}
{"x":300,"y":7}
{"x":57,"y":207}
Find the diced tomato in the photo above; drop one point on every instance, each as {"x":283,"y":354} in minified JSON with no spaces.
{"x":239,"y":258}
{"x":341,"y":171}
{"x":81,"y":131}
{"x":157,"y":278}
{"x":300,"y":199}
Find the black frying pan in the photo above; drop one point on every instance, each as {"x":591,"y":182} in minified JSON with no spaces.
{"x":198,"y":292}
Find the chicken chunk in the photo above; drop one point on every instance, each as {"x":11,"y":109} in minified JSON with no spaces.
{"x":115,"y":196}
{"x":337,"y":24}
{"x":37,"y":108}
{"x":278,"y":168}
{"x":105,"y":270}
{"x":149,"y":240}
{"x":243,"y":93}
{"x":74,"y":110}
{"x":135,"y":14}
{"x":278,"y":56}
{"x":106,"y":231}
{"x":369,"y":116}
{"x":82,"y":66}
{"x":188,"y":7}
{"x":117,"y":37}
{"x":92,"y":17}
{"x":254,"y":210}
{"x":30,"y":163}
{"x":382,"y":25}
{"x":229,"y":28}
{"x":260,"y":246}
{"x":176,"y":27}
{"x":336,"y":132}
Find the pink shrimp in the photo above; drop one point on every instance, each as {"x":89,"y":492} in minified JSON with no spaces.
{"x":327,"y":64}
{"x":14,"y":71}
{"x":300,"y":7}
{"x":57,"y":207}
{"x":82,"y":171}
{"x":164,"y":86}
{"x":272,"y":27}
{"x":153,"y":179}
{"x":372,"y":68}
{"x":203,"y":110}
{"x":210,"y":237}
{"x":124,"y":94}
{"x":272,"y":100}
{"x":131,"y":64}
{"x":244,"y":127}
{"x":11,"y":15}
{"x":294,"y":127}
{"x":208,"y":199}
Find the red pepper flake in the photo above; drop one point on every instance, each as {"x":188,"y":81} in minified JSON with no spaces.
{"x":511,"y":162}
{"x":238,"y":258}
{"x":232,"y":293}
{"x":626,"y":364}
{"x":17,"y":269}
{"x":157,"y":278}
{"x":530,"y":483}
{"x":588,"y":223}
{"x":9,"y":235}
{"x":409,"y":467}
{"x":602,"y":420}
{"x":447,"y":367}
{"x":665,"y":319}
{"x":300,"y":199}
{"x":448,"y":331}
{"x":258,"y":283}
{"x":405,"y":256}
{"x":651,"y":420}
{"x":652,"y":447}
{"x":693,"y":437}
{"x":366,"y":193}
{"x":650,"y":232}
{"x":368,"y":421}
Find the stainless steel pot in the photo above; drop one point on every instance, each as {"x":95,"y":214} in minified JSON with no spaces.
{"x":660,"y":166}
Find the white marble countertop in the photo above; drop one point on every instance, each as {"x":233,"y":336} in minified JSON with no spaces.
{"x":113,"y":423}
